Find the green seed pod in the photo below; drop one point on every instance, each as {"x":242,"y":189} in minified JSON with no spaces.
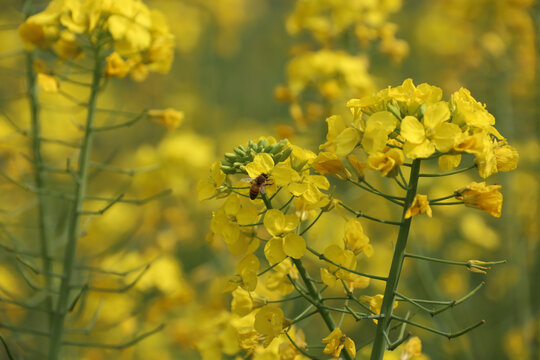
{"x":239,"y":151}
{"x":228,"y":170}
{"x":285,"y":154}
{"x":275,"y":148}
{"x":230,"y":156}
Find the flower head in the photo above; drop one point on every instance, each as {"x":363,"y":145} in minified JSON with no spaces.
{"x":420,"y":205}
{"x":336,"y":341}
{"x":269,"y":322}
{"x":480,"y":196}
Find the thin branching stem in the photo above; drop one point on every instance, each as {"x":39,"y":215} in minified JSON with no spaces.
{"x":471,"y":264}
{"x":358,"y":213}
{"x":372,"y":190}
{"x":449,"y":172}
{"x":324,"y":258}
{"x":39,"y":177}
{"x":449,"y":335}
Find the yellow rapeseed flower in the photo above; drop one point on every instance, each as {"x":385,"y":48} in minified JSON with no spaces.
{"x":329,"y":163}
{"x":336,"y":341}
{"x":480,"y":196}
{"x":356,"y":240}
{"x":170,"y":118}
{"x":283,"y":243}
{"x":412,"y":348}
{"x":116,"y":66}
{"x":420,"y":205}
{"x":507,"y":158}
{"x":269,"y":322}
{"x":378,"y":127}
{"x":47,"y":82}
{"x":433,"y":133}
{"x":386,"y":162}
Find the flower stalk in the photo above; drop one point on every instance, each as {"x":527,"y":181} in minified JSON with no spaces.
{"x":379,"y":344}
{"x":57,"y":326}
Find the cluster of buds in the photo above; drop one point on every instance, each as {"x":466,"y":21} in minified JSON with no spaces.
{"x":236,"y":161}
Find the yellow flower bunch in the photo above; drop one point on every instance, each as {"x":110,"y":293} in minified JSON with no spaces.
{"x":333,"y":73}
{"x":393,"y":129}
{"x":414,"y":122}
{"x":327,"y":20}
{"x":139,"y":38}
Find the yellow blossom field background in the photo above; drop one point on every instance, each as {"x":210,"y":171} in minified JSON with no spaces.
{"x":178,"y":84}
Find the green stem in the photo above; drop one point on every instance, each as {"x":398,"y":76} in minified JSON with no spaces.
{"x":316,"y":297}
{"x":57,"y":326}
{"x":379,"y":345}
{"x":469,"y":264}
{"x":314,"y":294}
{"x":44,"y":238}
{"x":449,"y":172}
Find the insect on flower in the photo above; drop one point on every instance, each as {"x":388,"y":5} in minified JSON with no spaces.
{"x":257,"y":185}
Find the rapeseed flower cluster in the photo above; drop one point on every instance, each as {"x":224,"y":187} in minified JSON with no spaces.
{"x":138,"y":38}
{"x":387,"y":131}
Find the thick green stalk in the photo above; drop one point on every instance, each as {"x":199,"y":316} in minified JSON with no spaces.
{"x":57,"y":327}
{"x":379,"y":344}
{"x":44,"y":238}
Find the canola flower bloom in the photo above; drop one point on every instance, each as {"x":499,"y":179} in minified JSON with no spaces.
{"x":269,"y":322}
{"x":170,"y":118}
{"x":140,"y":38}
{"x":483,"y":197}
{"x":413,"y":122}
{"x":420,"y":205}
{"x":390,"y":133}
{"x":412,"y":348}
{"x":336,"y":341}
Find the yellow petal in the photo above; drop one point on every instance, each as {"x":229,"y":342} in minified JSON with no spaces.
{"x":319,"y":181}
{"x":290,"y":223}
{"x":205,"y":190}
{"x":246,"y":215}
{"x":413,"y":130}
{"x":449,"y":162}
{"x":346,"y":141}
{"x":47,"y":82}
{"x":436,"y":114}
{"x":349,"y":346}
{"x":283,"y":175}
{"x":274,"y":221}
{"x":335,"y":126}
{"x":423,"y":150}
{"x":298,"y":189}
{"x":378,"y":126}
{"x":273,"y":250}
{"x":261,"y":164}
{"x":328,"y":278}
{"x":294,"y":245}
{"x":445,"y":136}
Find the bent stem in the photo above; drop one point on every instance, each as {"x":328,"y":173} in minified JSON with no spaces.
{"x":57,"y":326}
{"x":379,"y":344}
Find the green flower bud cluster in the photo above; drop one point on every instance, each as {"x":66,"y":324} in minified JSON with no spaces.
{"x":236,"y":161}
